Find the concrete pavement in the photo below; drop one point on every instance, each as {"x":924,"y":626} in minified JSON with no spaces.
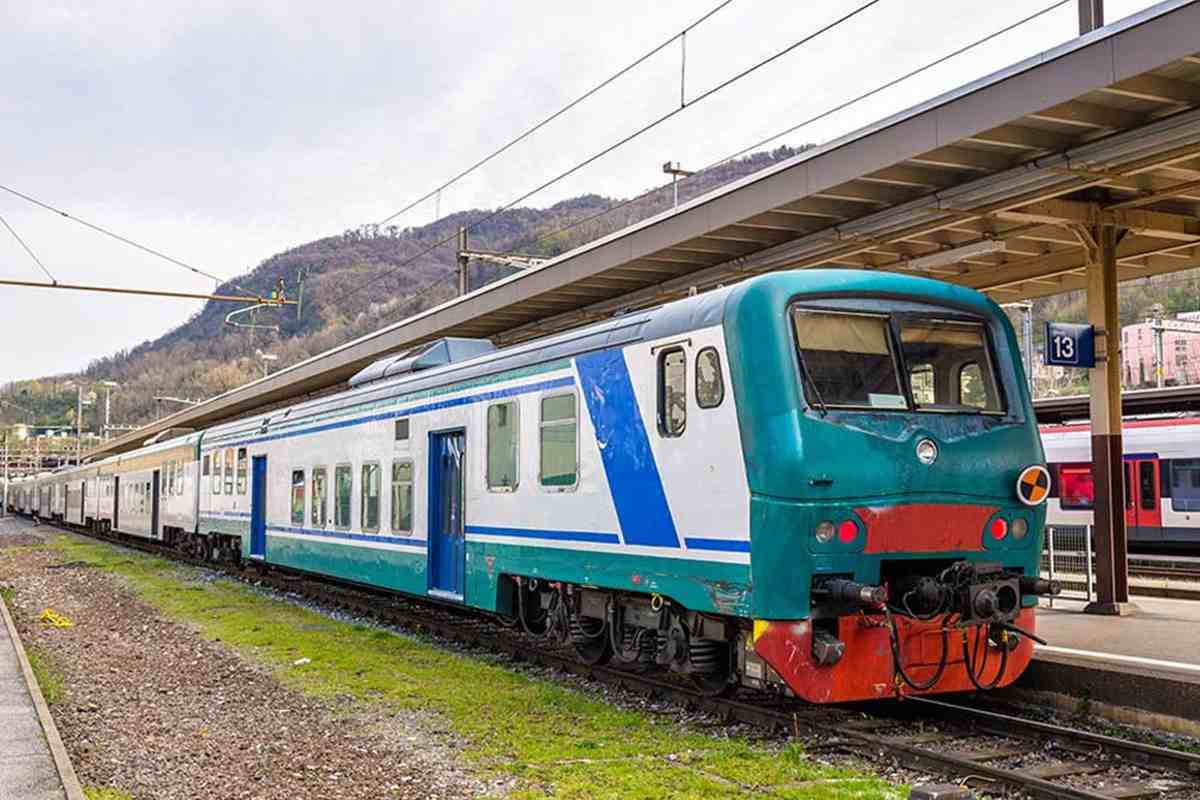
{"x":33,"y":762}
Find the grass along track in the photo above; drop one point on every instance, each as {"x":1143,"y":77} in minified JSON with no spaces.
{"x":998,"y":752}
{"x":553,"y":739}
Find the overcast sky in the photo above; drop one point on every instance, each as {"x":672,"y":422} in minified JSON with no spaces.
{"x":224,"y":132}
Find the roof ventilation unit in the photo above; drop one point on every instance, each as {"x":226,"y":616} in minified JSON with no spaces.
{"x":436,"y":354}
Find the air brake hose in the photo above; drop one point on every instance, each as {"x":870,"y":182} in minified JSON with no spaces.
{"x":969,"y":662}
{"x":894,"y":636}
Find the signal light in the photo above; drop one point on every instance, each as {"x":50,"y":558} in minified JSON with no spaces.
{"x":999,"y":528}
{"x":824,"y":532}
{"x":847,"y":531}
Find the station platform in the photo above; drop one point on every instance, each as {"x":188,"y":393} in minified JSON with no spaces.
{"x":1161,"y":630}
{"x":33,"y":762}
{"x":1145,"y":667}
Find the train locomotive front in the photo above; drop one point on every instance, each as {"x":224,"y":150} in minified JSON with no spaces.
{"x":896,"y":480}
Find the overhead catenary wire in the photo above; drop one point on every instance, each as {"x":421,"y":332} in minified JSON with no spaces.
{"x":810,"y":120}
{"x":113,"y":235}
{"x":572,"y":104}
{"x":619,"y":143}
{"x":32,"y":255}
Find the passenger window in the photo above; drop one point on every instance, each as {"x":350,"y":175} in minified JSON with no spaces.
{"x":402,"y":496}
{"x":920,"y":378}
{"x":559,"y":441}
{"x":228,"y":472}
{"x":1078,"y":488}
{"x":297,"y":497}
{"x":320,"y":505}
{"x":343,"y":487}
{"x":216,"y":481}
{"x":370,"y":497}
{"x":207,"y":466}
{"x":1185,"y":484}
{"x":971,"y":389}
{"x":402,"y":429}
{"x":672,"y":392}
{"x":503,"y":429}
{"x":710,"y":383}
{"x":241,"y":470}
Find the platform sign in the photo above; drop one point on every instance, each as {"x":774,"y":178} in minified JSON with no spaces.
{"x":1070,"y":345}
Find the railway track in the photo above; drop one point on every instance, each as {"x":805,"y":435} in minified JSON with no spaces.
{"x":1191,"y":574}
{"x":996,"y":753}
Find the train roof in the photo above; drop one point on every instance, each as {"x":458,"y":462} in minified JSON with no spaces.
{"x":1158,"y":438}
{"x":671,"y":319}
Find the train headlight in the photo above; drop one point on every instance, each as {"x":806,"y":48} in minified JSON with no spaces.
{"x":824,"y":532}
{"x":1020,"y":527}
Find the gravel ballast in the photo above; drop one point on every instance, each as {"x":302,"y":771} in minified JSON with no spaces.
{"x":153,"y":709}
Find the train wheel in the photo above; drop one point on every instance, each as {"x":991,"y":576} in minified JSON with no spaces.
{"x":591,"y":641}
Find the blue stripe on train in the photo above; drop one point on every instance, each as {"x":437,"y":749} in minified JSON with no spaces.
{"x":350,"y":536}
{"x":594,"y":537}
{"x":724,"y":545}
{"x":633,"y":479}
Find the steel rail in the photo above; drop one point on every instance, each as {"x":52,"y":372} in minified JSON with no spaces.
{"x":483,"y":629}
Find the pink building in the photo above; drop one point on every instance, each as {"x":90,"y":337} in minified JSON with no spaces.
{"x":1180,"y":347}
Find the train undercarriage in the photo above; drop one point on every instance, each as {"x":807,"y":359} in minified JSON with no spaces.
{"x":932,"y":627}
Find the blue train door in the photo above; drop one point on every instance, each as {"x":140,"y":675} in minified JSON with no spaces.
{"x":258,"y":508}
{"x":447,"y":549}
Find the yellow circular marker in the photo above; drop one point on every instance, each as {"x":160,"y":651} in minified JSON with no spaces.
{"x":1033,"y":485}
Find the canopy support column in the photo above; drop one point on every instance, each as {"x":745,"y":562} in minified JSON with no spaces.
{"x":1108,"y":468}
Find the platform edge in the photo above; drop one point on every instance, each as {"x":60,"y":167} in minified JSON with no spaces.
{"x":58,"y":751}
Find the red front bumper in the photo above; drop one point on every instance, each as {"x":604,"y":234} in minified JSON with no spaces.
{"x":866,"y":671}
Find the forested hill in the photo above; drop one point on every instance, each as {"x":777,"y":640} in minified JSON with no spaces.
{"x":204,"y":357}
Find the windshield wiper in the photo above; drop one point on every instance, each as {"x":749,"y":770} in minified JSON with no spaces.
{"x":812,"y":384}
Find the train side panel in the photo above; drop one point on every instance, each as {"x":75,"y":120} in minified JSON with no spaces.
{"x":632,"y":516}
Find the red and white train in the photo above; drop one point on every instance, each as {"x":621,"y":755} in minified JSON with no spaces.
{"x":1162,"y":480}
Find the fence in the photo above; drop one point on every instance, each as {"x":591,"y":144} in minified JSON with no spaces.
{"x":1068,"y":558}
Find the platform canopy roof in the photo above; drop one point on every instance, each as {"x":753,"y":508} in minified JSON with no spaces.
{"x":1000,"y":181}
{"x":1145,"y":403}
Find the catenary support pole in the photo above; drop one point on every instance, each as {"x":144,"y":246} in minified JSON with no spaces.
{"x":464,"y":261}
{"x":79,"y":425}
{"x":1112,"y":584}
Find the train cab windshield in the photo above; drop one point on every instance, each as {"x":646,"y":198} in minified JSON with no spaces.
{"x":899,"y":362}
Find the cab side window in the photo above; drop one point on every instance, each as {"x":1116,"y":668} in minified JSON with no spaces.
{"x":710,"y":383}
{"x":672,"y":392}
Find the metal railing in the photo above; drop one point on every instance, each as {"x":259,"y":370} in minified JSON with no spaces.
{"x":1068,"y":558}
